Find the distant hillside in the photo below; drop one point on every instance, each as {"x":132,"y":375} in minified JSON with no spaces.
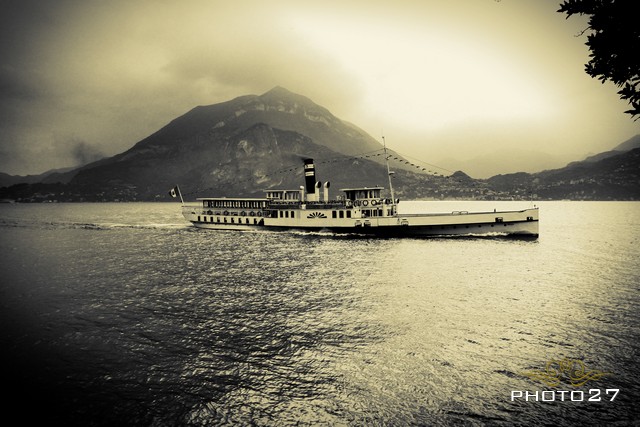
{"x":615,"y":177}
{"x":54,"y":175}
{"x":629,"y":144}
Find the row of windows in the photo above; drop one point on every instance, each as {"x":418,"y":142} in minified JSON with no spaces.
{"x":284,"y":195}
{"x":340,"y":214}
{"x":241,"y":204}
{"x":363,"y":194}
{"x":233,"y":220}
{"x":283,"y":214}
{"x":366,"y":213}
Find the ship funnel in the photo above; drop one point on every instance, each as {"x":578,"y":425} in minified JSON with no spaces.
{"x":309,"y":176}
{"x":326,"y":191}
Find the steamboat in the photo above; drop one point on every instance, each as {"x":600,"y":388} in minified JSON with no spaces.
{"x":361,"y":210}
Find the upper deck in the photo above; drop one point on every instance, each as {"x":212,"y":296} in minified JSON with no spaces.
{"x":233,"y":202}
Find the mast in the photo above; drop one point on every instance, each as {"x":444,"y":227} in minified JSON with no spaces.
{"x":389,"y":173}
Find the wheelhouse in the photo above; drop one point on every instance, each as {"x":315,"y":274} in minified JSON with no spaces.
{"x":369,"y":201}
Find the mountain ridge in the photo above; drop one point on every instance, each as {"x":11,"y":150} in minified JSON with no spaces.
{"x":234,"y":147}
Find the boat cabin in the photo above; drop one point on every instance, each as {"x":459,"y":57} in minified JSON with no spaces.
{"x":369,"y":200}
{"x":225,"y":211}
{"x":364,"y":193}
{"x":284,"y":195}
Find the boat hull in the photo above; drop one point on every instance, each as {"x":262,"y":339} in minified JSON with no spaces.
{"x":522,"y":223}
{"x":236,"y":227}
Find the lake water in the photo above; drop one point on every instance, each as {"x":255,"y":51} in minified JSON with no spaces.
{"x":123,"y":314}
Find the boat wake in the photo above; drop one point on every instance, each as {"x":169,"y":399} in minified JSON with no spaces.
{"x":70,"y":225}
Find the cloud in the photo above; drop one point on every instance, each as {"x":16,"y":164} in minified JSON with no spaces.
{"x":111,"y":73}
{"x":84,"y":153}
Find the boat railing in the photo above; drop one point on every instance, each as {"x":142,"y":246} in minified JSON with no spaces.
{"x":285,"y":203}
{"x":330,"y":204}
{"x":454,"y":213}
{"x":296,"y":204}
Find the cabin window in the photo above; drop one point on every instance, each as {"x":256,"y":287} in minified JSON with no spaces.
{"x":348,"y":214}
{"x":293,"y":214}
{"x":198,"y":218}
{"x":341,"y":214}
{"x":334,"y":214}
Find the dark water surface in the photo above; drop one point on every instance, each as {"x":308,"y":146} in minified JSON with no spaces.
{"x":122,"y":314}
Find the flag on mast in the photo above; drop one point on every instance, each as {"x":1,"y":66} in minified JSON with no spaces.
{"x":175,"y":192}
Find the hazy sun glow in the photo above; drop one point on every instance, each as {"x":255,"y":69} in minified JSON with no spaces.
{"x":424,"y":79}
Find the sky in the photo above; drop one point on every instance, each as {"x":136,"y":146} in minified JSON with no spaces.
{"x":485,"y":85}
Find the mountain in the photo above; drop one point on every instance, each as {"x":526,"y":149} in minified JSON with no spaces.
{"x":614,"y":177}
{"x":513,"y":159}
{"x":50,"y":176}
{"x":231,"y":148}
{"x":256,"y":142}
{"x":627,"y":145}
{"x":238,"y":147}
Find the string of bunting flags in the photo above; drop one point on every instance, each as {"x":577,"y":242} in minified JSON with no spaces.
{"x":424,"y":167}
